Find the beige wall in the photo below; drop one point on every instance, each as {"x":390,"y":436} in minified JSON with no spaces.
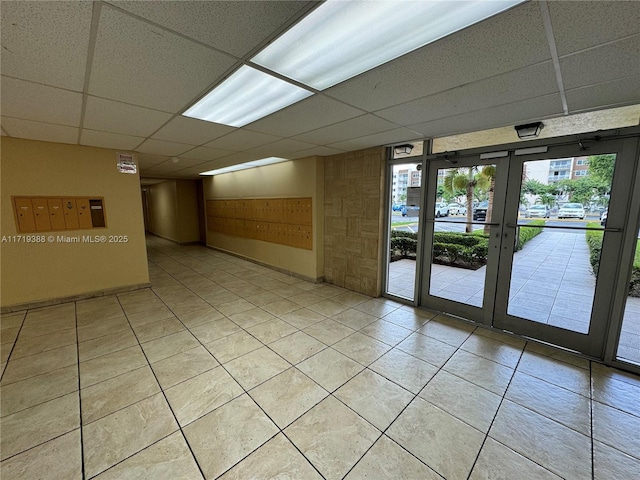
{"x":173,"y":210}
{"x":162,"y":201}
{"x":47,"y":271}
{"x":354,"y":215}
{"x":188,"y":221}
{"x":298,"y":178}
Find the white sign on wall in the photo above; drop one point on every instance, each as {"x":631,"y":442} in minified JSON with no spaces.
{"x":127,"y":163}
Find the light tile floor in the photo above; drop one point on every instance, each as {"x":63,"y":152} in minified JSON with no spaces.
{"x":225,"y":369}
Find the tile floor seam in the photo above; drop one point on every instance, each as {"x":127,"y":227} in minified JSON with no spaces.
{"x":13,"y":346}
{"x":415,"y":396}
{"x":175,"y":418}
{"x":40,"y":444}
{"x":123,"y":407}
{"x":80,"y":423}
{"x":495,"y":416}
{"x":247,"y":392}
{"x":39,"y":403}
{"x":383,"y":432}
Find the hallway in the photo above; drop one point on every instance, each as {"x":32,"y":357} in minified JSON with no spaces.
{"x":227,"y":369}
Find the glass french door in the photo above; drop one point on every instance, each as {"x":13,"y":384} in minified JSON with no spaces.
{"x":526,"y":250}
{"x":463,"y":228}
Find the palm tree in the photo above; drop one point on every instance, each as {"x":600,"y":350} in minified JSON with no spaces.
{"x":489,"y":173}
{"x":467,"y":179}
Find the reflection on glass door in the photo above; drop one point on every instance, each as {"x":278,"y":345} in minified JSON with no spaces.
{"x":560,"y":233}
{"x":403,"y":229}
{"x":462,"y":219}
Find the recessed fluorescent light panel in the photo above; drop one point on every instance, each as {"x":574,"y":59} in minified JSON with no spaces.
{"x":244,"y":97}
{"x":243,"y":166}
{"x":341,"y":39}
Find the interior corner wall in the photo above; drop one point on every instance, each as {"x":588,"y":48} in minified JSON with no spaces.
{"x":296,"y":178}
{"x":354,"y":218}
{"x":173,"y":210}
{"x":53,"y":270}
{"x":162,"y":206}
{"x":187,"y":211}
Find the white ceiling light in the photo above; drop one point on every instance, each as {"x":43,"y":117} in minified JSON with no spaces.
{"x":244,"y":97}
{"x":341,"y":39}
{"x":243,"y":166}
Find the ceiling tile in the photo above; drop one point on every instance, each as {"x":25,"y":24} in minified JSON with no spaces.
{"x":239,"y":26}
{"x":614,"y":60}
{"x":160,"y":147}
{"x":581,"y":25}
{"x":193,"y":170}
{"x":309,"y":114}
{"x":355,"y":127}
{"x":46,"y":42}
{"x":144,"y":65}
{"x":384,"y":138}
{"x":234,"y":159}
{"x":109,"y":140}
{"x":242,"y":140}
{"x":318,"y":150}
{"x":173,"y":164}
{"x":510,"y":87}
{"x":189,"y":130}
{"x":505,"y":42}
{"x":617,"y":92}
{"x":148,"y":160}
{"x":504,"y":115}
{"x":206,"y":154}
{"x":40,"y":103}
{"x":281,"y":148}
{"x":45,"y":132}
{"x":118,"y":117}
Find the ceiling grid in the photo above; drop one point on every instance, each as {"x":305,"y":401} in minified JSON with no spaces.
{"x":119,"y":74}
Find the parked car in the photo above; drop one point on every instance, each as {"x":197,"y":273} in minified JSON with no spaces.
{"x":410,"y":211}
{"x":480,"y":211}
{"x":396,"y":207}
{"x":457,"y":209}
{"x":442,"y":209}
{"x":537,"y":211}
{"x":603,"y":217}
{"x":571,"y":210}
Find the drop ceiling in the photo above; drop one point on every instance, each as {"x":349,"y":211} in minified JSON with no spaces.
{"x":118,"y":74}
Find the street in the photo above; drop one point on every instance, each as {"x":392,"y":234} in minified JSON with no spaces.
{"x":457,"y":223}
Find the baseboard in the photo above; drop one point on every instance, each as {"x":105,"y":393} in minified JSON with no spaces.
{"x":72,"y":298}
{"x":264,"y":264}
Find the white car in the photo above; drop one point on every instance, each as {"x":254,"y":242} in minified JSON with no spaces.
{"x":540,"y":211}
{"x":442,"y":210}
{"x":571,"y":210}
{"x":457,"y":209}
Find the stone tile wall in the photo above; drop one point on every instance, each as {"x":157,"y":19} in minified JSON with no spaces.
{"x":353,"y":209}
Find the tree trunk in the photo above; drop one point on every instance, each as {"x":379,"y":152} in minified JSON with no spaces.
{"x":487,"y":227}
{"x":469,"y":227}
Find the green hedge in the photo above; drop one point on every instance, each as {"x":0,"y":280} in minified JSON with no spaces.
{"x":448,"y":247}
{"x":594,"y":241}
{"x":527,"y":233}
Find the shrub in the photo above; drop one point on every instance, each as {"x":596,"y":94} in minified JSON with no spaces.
{"x":460,"y":249}
{"x":405,"y":245}
{"x":594,"y":241}
{"x":527,"y":233}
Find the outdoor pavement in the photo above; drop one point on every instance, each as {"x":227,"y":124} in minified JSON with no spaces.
{"x":551,"y":283}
